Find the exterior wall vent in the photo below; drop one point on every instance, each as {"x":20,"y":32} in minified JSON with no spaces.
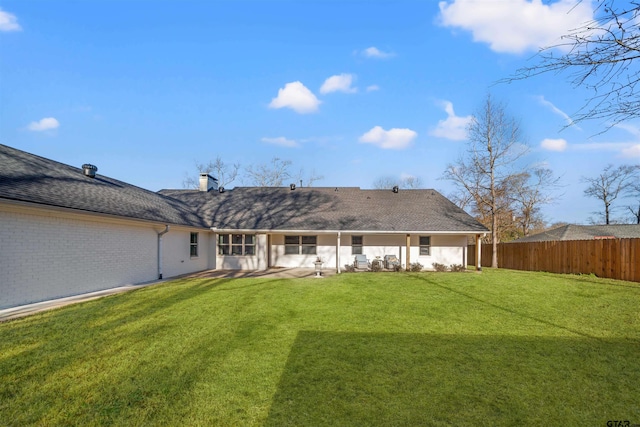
{"x":396,"y":188}
{"x":89,"y":170}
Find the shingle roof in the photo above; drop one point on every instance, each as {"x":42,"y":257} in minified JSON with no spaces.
{"x":29,"y":178}
{"x":317,"y":208}
{"x":585,"y":232}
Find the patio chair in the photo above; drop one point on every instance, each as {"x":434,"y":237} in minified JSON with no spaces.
{"x":390,"y":261}
{"x":361,"y":261}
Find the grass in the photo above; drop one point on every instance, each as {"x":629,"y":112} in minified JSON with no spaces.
{"x":497,"y":348}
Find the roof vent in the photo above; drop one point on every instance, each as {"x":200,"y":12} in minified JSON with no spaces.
{"x":89,"y":170}
{"x":396,"y":188}
{"x":220,"y":189}
{"x":292,"y":187}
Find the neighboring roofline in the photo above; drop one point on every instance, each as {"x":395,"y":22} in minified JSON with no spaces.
{"x":56,"y":208}
{"x":390,"y":232}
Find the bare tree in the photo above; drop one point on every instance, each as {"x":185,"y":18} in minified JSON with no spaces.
{"x":225,"y":173}
{"x":461,"y":198}
{"x":308,"y":180}
{"x":388,"y":182}
{"x":601,"y":55}
{"x":483,"y":171}
{"x":411,"y":182}
{"x":528,"y":191}
{"x":635,"y":212}
{"x":385,"y":182}
{"x":272,"y":174}
{"x":609,"y":185}
{"x":633,"y":192}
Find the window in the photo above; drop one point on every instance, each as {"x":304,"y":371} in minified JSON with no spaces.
{"x":236,"y":244}
{"x":291,"y":245}
{"x":193,"y":246}
{"x":295,"y":245}
{"x":425,"y":245}
{"x":309,"y":245}
{"x":223,"y":244}
{"x":356,"y":245}
{"x":249,"y":244}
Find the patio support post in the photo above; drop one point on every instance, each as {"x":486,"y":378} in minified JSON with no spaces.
{"x":338,"y":254}
{"x":408,"y":267}
{"x":478,"y":252}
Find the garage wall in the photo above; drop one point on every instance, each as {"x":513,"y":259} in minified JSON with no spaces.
{"x":51,"y":254}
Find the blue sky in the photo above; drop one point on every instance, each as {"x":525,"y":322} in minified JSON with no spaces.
{"x":351,"y":90}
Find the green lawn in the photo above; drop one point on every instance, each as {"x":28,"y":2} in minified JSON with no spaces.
{"x":497,"y":348}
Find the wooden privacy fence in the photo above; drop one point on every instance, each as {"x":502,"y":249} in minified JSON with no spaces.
{"x":612,"y":258}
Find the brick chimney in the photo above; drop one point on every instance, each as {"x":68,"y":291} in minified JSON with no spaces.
{"x":207,"y":182}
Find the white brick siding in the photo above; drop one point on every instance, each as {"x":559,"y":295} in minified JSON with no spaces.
{"x":49,"y":254}
{"x":176,"y":252}
{"x":445,"y":249}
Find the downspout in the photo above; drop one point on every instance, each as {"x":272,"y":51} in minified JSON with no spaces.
{"x":160,"y":234}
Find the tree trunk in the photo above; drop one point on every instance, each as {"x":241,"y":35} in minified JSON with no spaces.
{"x":494,"y":241}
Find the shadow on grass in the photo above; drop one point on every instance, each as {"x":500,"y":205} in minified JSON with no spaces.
{"x":508,"y":310}
{"x":117,"y":359}
{"x":334,"y":378}
{"x":124,"y":311}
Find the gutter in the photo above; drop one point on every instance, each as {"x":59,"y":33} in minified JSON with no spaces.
{"x":160,"y":234}
{"x":303,"y":232}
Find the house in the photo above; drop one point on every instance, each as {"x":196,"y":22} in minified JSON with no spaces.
{"x":585,"y":232}
{"x":259,"y":228}
{"x":66,"y":230}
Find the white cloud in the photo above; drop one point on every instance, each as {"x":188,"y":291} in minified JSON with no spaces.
{"x":373,"y":88}
{"x":602,"y":146}
{"x":626,"y":149}
{"x":453,"y":127}
{"x":633,"y":151}
{"x":374,"y":52}
{"x":558,"y":111}
{"x":393,"y":138}
{"x":8,"y":22}
{"x":633,"y":130}
{"x":515,"y":26}
{"x":47,"y":123}
{"x":339,"y":83}
{"x":281,"y":140}
{"x":554,"y":144}
{"x":296,"y":96}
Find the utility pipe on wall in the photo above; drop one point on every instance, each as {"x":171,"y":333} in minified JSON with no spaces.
{"x":160,"y":234}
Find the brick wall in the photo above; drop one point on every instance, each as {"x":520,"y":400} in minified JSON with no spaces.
{"x":48,"y":254}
